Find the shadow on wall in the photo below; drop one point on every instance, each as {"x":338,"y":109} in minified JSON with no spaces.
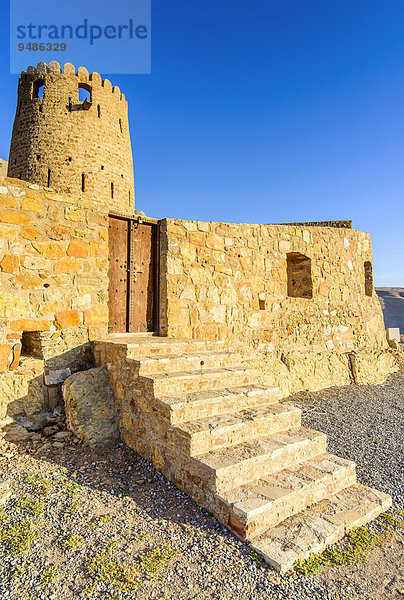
{"x":392,"y":303}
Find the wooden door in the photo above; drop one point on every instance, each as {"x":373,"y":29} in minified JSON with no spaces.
{"x":133,"y":285}
{"x":118,"y":275}
{"x":142,"y":309}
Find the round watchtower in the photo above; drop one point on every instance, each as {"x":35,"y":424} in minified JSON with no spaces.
{"x":78,"y":146}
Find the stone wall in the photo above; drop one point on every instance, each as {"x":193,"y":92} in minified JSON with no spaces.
{"x":347,"y":224}
{"x":3,"y":167}
{"x":217,"y":281}
{"x":230,"y":281}
{"x":53,"y":292}
{"x":78,"y":148}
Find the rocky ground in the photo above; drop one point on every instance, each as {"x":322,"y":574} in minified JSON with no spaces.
{"x":103,"y":524}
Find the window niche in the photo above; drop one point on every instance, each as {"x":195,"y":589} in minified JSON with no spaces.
{"x":32,"y":344}
{"x":300,"y":284}
{"x":368,"y":278}
{"x":85,"y":95}
{"x":38,"y":88}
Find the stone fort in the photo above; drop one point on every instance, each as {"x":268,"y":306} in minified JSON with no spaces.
{"x":180,"y":337}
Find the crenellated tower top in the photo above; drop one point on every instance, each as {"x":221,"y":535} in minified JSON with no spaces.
{"x":71,"y":133}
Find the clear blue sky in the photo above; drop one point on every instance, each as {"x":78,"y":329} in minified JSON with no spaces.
{"x":268,"y":111}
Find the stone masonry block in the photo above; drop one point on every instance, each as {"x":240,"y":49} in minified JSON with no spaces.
{"x":67,"y":318}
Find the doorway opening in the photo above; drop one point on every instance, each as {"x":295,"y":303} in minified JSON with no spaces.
{"x":133,"y":276}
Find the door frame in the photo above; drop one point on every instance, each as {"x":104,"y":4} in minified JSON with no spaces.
{"x":155,"y":224}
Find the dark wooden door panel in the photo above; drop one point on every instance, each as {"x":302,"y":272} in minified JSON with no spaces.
{"x":132,"y":276}
{"x":118,"y":274}
{"x":142,"y":279}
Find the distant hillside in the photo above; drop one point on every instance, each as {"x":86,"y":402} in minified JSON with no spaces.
{"x":3,"y":167}
{"x":392,"y":302}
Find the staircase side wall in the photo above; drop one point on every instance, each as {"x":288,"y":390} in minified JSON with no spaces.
{"x":146,"y":430}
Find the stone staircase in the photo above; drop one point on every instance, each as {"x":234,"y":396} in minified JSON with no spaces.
{"x":191,"y":408}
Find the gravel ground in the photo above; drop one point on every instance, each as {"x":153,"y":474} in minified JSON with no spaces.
{"x":126,"y":511}
{"x":364,"y":423}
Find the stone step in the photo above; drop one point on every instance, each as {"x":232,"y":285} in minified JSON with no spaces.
{"x":198,"y":405}
{"x":213,"y":433}
{"x":197,"y":361}
{"x":162,"y":346}
{"x":250,"y":510}
{"x":183,"y":382}
{"x":228,"y":468}
{"x":320,"y":525}
{"x":137,"y":345}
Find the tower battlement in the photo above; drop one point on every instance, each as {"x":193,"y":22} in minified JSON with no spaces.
{"x":82,"y":74}
{"x":80,"y":146}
